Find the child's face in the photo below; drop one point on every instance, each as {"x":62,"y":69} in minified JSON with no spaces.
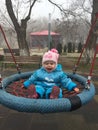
{"x":49,"y":66}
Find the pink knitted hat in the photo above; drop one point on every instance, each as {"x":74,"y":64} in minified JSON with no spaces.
{"x":51,"y":55}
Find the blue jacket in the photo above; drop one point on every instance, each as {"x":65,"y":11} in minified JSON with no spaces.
{"x":47,"y":80}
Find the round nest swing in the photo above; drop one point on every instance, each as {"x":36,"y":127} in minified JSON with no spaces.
{"x":15,"y":97}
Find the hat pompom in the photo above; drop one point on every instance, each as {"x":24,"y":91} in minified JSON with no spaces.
{"x":51,"y":55}
{"x":54,"y":50}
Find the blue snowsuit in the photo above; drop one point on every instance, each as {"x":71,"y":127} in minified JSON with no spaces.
{"x":44,"y":81}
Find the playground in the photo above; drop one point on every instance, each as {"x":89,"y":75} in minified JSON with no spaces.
{"x":82,"y":118}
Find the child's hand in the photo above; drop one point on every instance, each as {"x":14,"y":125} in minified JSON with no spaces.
{"x":22,"y":86}
{"x":76,"y":90}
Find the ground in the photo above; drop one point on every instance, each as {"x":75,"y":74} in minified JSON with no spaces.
{"x":84,"y":118}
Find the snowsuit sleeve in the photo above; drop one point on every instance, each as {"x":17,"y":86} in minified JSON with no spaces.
{"x":67,"y":82}
{"x":31,"y":80}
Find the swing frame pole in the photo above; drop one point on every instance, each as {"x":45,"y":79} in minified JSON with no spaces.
{"x":17,"y":66}
{"x":86,"y":43}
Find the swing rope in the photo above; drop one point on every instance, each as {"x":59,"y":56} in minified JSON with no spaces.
{"x":86,"y":43}
{"x":91,"y":70}
{"x":17,"y":66}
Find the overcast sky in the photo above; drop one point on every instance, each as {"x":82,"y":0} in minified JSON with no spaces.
{"x":44,"y":8}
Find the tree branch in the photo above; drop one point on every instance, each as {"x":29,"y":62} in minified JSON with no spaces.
{"x":28,"y":16}
{"x":11,"y":13}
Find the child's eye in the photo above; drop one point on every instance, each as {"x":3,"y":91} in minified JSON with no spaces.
{"x":47,"y":63}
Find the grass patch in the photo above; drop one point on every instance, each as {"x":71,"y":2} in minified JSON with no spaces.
{"x":68,"y":65}
{"x":24,"y":66}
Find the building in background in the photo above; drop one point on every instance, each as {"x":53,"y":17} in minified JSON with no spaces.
{"x":40,"y":39}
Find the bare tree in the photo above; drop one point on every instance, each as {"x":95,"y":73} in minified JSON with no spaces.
{"x":20,"y":27}
{"x":76,"y":10}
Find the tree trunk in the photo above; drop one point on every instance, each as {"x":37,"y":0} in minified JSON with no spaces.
{"x":21,"y":36}
{"x":94,"y":35}
{"x":20,"y":29}
{"x":93,"y":39}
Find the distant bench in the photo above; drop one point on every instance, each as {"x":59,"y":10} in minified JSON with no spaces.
{"x":35,"y":59}
{"x":21,"y":60}
{"x":8,"y":53}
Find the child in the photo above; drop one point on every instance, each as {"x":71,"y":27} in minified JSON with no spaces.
{"x":48,"y":80}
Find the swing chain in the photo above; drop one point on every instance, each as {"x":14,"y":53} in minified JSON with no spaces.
{"x":75,"y":69}
{"x":87,"y":86}
{"x":18,"y":68}
{"x":0,"y":82}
